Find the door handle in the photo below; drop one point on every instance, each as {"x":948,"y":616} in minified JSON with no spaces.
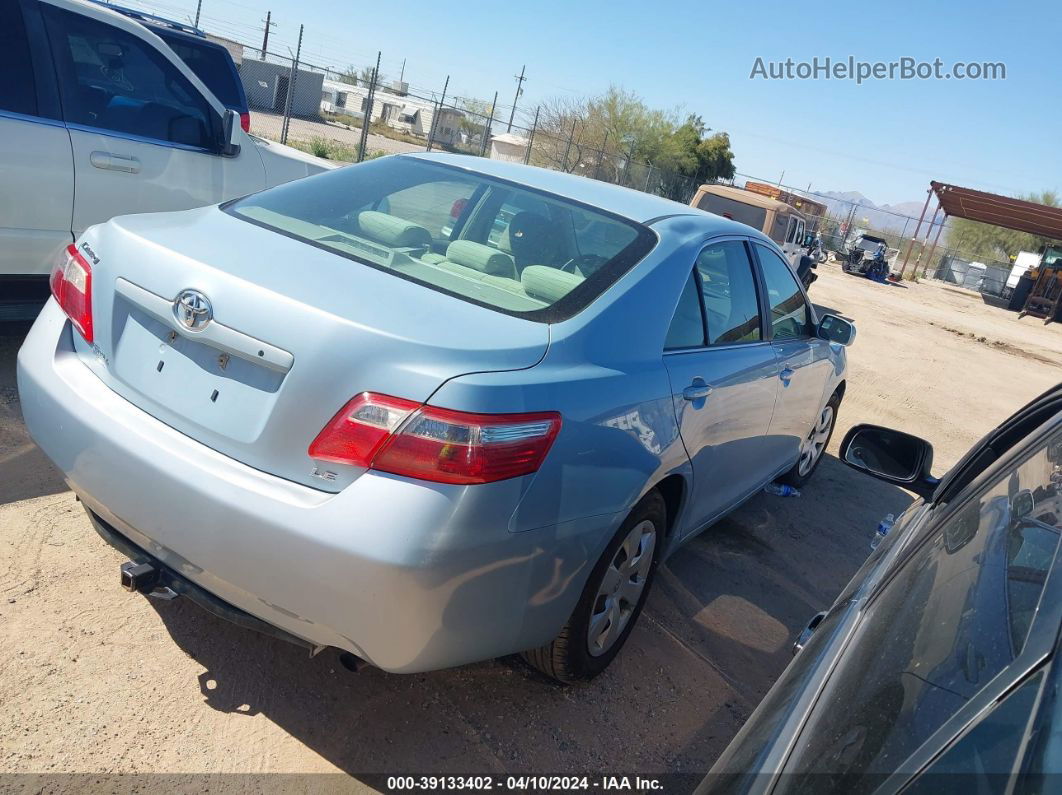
{"x":113,"y":162}
{"x":786,"y":374}
{"x":696,"y":391}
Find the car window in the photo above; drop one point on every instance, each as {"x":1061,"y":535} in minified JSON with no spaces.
{"x":729,"y":290}
{"x":940,"y":630}
{"x":789,"y":311}
{"x":112,"y":80}
{"x":687,"y":324}
{"x":18,"y":91}
{"x":441,"y":226}
{"x":212,"y":64}
{"x":986,"y":756}
{"x":436,"y":204}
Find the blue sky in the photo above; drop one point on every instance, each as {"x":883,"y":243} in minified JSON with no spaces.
{"x":886,"y":139}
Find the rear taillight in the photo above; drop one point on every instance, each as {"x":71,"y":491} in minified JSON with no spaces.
{"x":457,"y":208}
{"x":245,"y":121}
{"x":71,"y":283}
{"x":405,"y":438}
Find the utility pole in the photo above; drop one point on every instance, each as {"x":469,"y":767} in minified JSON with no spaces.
{"x":265,"y":39}
{"x":402,"y":74}
{"x":198,"y":8}
{"x":519,"y":90}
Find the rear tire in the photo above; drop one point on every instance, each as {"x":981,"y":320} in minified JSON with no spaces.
{"x":612,"y":598}
{"x":815,"y":445}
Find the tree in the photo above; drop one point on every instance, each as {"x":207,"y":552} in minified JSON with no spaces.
{"x":618,"y":138}
{"x":365,"y":76}
{"x":993,"y":243}
{"x":349,"y":75}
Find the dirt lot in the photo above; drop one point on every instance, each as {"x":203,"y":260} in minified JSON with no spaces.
{"x":95,"y":680}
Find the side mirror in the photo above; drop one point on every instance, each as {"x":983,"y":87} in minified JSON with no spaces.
{"x":1022,"y":505}
{"x":836,"y":329}
{"x":230,"y":133}
{"x":892,"y":456}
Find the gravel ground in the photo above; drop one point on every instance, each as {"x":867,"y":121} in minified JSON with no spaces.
{"x":94,"y":680}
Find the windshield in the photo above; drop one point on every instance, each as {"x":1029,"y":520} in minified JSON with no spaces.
{"x":491,"y":242}
{"x":212,"y":65}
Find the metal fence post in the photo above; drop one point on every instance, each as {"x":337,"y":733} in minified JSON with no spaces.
{"x":568,"y":148}
{"x":366,"y":119}
{"x":438,"y":112}
{"x":600,"y":154}
{"x":291,"y":90}
{"x":531,"y":138}
{"x":486,"y":128}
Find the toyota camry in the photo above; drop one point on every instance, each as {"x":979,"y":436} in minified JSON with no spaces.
{"x":429,"y":409}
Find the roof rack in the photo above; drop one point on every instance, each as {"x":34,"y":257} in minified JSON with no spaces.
{"x":152,"y":19}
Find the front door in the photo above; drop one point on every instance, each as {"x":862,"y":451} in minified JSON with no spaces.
{"x":144,"y":138}
{"x":805,"y":359}
{"x":724,"y":380}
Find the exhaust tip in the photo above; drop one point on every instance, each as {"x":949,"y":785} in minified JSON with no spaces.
{"x":352,"y":662}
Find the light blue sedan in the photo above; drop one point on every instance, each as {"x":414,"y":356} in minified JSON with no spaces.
{"x":427,"y":410}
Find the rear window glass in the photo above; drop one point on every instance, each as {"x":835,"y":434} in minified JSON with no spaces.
{"x":488,"y":241}
{"x":734,"y":210}
{"x":212,"y":65}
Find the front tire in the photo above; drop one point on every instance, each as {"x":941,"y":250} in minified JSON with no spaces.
{"x":814,"y":446}
{"x":612,"y":598}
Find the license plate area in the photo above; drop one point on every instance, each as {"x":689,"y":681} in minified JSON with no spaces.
{"x":190,"y":380}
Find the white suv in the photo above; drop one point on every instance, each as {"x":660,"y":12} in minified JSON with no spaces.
{"x":98,"y":118}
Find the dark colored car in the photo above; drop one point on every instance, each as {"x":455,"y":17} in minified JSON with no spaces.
{"x":210,"y":61}
{"x":939,"y":668}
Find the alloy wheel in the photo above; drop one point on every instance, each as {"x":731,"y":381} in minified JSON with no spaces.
{"x":811,"y":449}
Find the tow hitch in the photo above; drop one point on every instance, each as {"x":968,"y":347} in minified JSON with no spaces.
{"x":144,"y":578}
{"x":139,"y":577}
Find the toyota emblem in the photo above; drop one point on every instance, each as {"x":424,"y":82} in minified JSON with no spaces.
{"x":192,"y":309}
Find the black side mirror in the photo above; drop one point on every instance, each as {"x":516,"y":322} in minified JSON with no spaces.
{"x":230,"y":133}
{"x":835,"y":328}
{"x":892,"y":456}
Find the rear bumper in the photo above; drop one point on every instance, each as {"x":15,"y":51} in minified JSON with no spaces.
{"x":168,"y":578}
{"x":408,"y":575}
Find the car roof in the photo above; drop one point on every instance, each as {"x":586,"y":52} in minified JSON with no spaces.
{"x":632,"y":204}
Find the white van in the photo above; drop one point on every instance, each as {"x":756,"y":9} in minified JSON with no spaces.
{"x":98,"y":118}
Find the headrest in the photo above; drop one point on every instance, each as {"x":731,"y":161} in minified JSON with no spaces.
{"x":548,"y":284}
{"x":392,"y":231}
{"x":481,"y":258}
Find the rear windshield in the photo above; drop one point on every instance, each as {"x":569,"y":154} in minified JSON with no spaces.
{"x":212,"y":64}
{"x":488,"y":241}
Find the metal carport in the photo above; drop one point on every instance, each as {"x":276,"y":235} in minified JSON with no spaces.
{"x":988,"y":208}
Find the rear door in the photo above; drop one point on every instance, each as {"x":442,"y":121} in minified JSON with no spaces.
{"x":144,"y":137}
{"x":804,"y":359}
{"x":37,"y":183}
{"x":724,"y":380}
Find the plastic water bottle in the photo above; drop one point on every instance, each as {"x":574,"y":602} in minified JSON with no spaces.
{"x":781,"y":490}
{"x":884,"y":526}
